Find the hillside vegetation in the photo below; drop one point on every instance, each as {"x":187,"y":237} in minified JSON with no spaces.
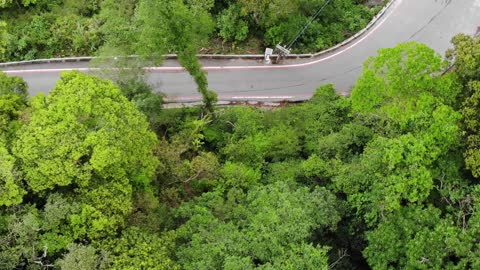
{"x":57,"y":28}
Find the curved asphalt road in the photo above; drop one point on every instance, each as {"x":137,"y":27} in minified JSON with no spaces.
{"x":433,"y":22}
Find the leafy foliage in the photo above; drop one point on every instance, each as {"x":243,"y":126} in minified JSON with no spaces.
{"x":398,"y":82}
{"x":267,"y":228}
{"x":80,"y":257}
{"x":138,"y":249}
{"x":11,"y":190}
{"x":386,"y":179}
{"x":13,"y":101}
{"x":470,"y":114}
{"x":8,"y":3}
{"x":402,"y":86}
{"x":466,"y":56}
{"x":44,"y":29}
{"x":232,"y":27}
{"x":87,"y":135}
{"x":3,"y":37}
{"x":415,"y":238}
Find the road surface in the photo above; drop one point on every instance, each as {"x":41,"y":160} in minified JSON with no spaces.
{"x":433,"y":22}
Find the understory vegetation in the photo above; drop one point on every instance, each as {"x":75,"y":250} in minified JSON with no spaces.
{"x":33,"y":29}
{"x":97,"y":176}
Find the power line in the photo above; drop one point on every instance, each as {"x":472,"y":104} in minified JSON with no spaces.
{"x":308,"y":24}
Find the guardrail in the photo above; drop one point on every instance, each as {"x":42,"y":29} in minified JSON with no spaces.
{"x":219,"y":56}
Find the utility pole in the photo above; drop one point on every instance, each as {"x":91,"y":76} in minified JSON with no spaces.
{"x":284,"y":51}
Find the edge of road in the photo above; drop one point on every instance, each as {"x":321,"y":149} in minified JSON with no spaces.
{"x":257,"y":57}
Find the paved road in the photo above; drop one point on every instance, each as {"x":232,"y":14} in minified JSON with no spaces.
{"x":433,"y":22}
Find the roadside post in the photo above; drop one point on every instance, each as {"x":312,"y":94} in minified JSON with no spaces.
{"x":268,"y":53}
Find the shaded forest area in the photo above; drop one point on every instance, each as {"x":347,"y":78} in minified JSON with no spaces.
{"x":37,"y":29}
{"x":93,"y":178}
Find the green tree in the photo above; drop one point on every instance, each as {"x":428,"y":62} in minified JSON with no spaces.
{"x":423,"y":238}
{"x":13,"y":101}
{"x":13,"y":85}
{"x":137,"y":249}
{"x":470,"y":114}
{"x":251,"y":150}
{"x":9,"y":3}
{"x":186,"y":169}
{"x":232,"y":27}
{"x":402,"y":86}
{"x":86,"y":136}
{"x":173,"y":26}
{"x":397,"y":171}
{"x":118,"y":25}
{"x":11,"y":188}
{"x":55,"y":217}
{"x":74,"y":35}
{"x":465,"y":56}
{"x":279,"y":21}
{"x":19,"y":236}
{"x":237,"y":175}
{"x":3,"y":37}
{"x":346,"y":143}
{"x":269,"y":227}
{"x":400,"y":81}
{"x":284,"y":143}
{"x":268,"y":13}
{"x":80,"y":257}
{"x":323,"y":114}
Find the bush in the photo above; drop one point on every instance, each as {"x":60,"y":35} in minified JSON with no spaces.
{"x":232,"y":27}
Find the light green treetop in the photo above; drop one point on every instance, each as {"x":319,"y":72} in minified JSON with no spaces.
{"x":86,"y":136}
{"x":403,"y":86}
{"x":85,"y":130}
{"x":402,"y":82}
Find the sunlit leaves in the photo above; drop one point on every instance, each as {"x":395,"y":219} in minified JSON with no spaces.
{"x":86,"y":130}
{"x":403,"y":86}
{"x":86,"y":136}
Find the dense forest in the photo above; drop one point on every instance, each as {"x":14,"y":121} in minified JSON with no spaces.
{"x":94,"y":177}
{"x":97,"y":176}
{"x":33,"y":29}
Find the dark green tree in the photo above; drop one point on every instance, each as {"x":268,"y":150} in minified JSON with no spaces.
{"x":465,"y":56}
{"x":269,"y":227}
